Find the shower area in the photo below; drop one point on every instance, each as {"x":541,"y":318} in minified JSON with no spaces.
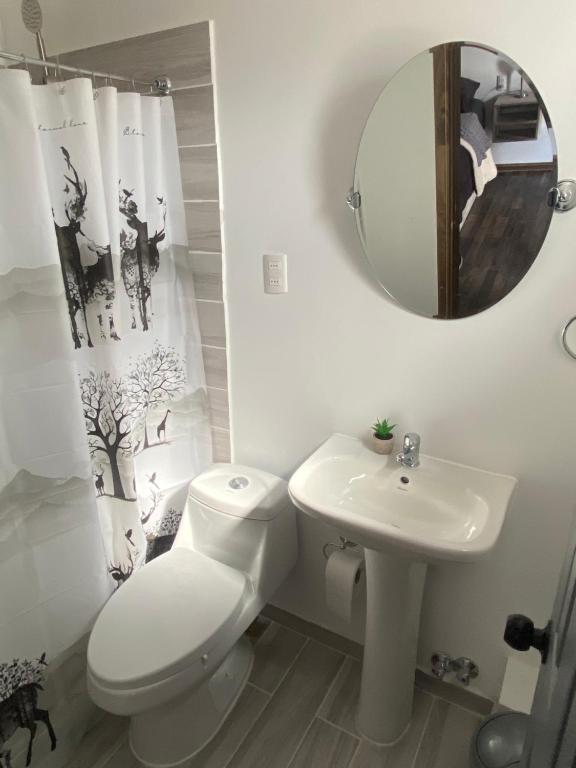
{"x":113,"y":382}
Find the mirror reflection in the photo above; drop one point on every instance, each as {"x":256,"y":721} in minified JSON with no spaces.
{"x":453,"y":174}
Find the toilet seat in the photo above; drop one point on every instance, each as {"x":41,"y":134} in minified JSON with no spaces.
{"x":166,"y":617}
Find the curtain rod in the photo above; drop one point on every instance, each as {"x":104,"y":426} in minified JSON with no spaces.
{"x":161,"y":85}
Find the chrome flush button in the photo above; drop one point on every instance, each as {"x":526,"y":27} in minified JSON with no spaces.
{"x":238,"y":482}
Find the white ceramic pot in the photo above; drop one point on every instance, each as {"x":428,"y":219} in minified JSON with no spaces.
{"x":381,"y":446}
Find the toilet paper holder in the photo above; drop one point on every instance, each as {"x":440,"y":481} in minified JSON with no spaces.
{"x":344,"y":543}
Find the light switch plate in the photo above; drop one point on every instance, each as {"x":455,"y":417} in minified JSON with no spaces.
{"x":275,"y":273}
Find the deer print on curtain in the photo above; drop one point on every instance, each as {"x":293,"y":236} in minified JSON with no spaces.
{"x":140,"y":258}
{"x":103,"y":419}
{"x":83,"y":284}
{"x":20,"y":682}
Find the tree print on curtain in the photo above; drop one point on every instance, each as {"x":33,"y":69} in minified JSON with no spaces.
{"x":103,"y":415}
{"x":118,"y":405}
{"x":84,"y":284}
{"x":117,"y":410}
{"x":108,"y":413}
{"x":155,"y":378}
{"x":20,"y":682}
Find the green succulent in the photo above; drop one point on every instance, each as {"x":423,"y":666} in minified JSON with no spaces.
{"x":382,"y":429}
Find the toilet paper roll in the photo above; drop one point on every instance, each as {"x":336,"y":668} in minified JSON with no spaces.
{"x":343,"y":574}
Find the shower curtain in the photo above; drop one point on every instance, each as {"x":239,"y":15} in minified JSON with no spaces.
{"x":103,"y":415}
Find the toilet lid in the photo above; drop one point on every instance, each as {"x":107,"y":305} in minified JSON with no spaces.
{"x":165,"y":617}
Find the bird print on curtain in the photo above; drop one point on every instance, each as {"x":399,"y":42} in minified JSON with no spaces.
{"x":103,"y":416}
{"x":117,"y":406}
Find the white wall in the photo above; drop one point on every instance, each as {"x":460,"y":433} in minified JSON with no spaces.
{"x":296,"y":82}
{"x":398,"y":148}
{"x":484,"y":67}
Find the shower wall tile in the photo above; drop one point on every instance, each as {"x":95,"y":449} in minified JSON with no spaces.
{"x":62,"y":560}
{"x":203,"y":225}
{"x":212,"y":323}
{"x":221,"y":444}
{"x":218,"y":405}
{"x":182,"y":53}
{"x":194,"y":110}
{"x":215,"y":367}
{"x":199,"y":167}
{"x":207,"y":272}
{"x":24,"y":593}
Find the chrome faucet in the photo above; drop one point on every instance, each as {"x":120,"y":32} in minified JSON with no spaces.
{"x":410,"y":456}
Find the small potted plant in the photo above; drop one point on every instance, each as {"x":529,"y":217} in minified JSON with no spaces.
{"x":382,"y":437}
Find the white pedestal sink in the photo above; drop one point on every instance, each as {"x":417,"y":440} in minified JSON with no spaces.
{"x":405,"y":518}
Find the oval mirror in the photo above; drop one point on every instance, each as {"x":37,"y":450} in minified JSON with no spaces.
{"x":569,"y":337}
{"x":452,"y":179}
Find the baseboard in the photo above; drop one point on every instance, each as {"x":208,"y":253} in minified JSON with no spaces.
{"x":461,"y":697}
{"x":325,"y":636}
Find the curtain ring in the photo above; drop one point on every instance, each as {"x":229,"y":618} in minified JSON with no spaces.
{"x":133,"y":85}
{"x":61,"y":86}
{"x":94,"y":88}
{"x":25,"y":60}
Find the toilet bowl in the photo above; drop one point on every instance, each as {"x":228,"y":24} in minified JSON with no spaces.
{"x":167,"y":649}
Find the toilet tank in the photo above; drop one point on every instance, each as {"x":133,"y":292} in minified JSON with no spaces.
{"x":242,"y":517}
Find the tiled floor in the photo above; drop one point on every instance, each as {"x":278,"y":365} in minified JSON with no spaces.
{"x":298,"y":710}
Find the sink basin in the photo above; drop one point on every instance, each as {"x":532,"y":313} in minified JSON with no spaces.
{"x":438,"y":510}
{"x":405,"y":518}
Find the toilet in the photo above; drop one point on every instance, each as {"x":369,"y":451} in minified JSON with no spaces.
{"x":168,"y":649}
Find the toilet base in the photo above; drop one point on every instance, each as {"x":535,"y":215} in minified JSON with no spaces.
{"x":173,"y":733}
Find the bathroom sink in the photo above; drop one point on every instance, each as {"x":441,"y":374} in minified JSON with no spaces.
{"x":439,"y":510}
{"x":405,"y":518}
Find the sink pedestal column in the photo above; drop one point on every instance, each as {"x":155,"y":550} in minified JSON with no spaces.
{"x":394,"y":587}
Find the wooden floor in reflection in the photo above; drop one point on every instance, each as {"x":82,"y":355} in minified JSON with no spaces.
{"x":502,"y":236}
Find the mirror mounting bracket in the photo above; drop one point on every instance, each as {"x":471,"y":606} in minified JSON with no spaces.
{"x":353,"y":199}
{"x":562,"y":197}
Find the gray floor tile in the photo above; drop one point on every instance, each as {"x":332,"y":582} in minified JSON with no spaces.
{"x":402,"y":754}
{"x":325,"y":747}
{"x":123,"y":758}
{"x":277,"y":733}
{"x":275,"y":652}
{"x":241,"y":719}
{"x":446,"y":741}
{"x":100,"y":742}
{"x":342,"y":701}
